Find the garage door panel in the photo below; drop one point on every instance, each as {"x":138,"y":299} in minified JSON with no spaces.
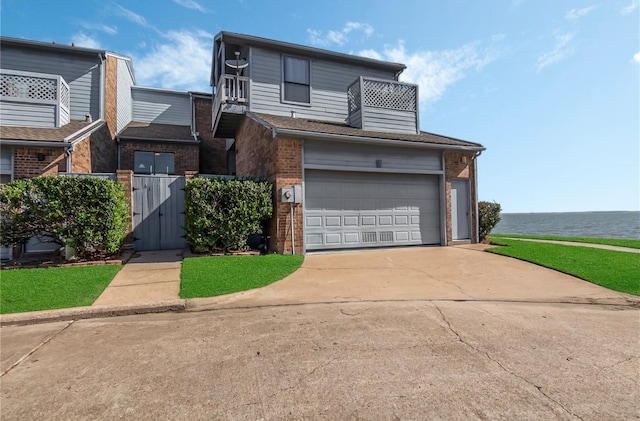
{"x":370,"y":209}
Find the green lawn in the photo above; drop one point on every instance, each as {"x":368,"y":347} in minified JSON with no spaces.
{"x":219,"y":275}
{"x":45,"y":289}
{"x":616,"y":270}
{"x":608,"y":241}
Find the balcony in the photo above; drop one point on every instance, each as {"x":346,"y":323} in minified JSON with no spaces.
{"x":383,"y":105}
{"x":229,"y":104}
{"x":33,"y":99}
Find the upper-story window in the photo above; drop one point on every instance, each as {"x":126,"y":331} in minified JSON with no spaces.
{"x":297,"y":80}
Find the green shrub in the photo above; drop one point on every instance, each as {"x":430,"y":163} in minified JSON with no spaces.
{"x":87,"y":213}
{"x":221,"y":213}
{"x":489,"y":213}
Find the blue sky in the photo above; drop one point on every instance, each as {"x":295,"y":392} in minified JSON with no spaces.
{"x":550,"y":87}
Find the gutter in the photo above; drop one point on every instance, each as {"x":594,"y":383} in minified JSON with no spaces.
{"x":153,"y":139}
{"x":194,"y":133}
{"x":475,"y":182}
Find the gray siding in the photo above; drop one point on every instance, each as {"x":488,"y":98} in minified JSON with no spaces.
{"x":124,"y":103}
{"x":329,"y":83}
{"x":161,"y":107}
{"x":325,"y":155}
{"x":27,"y":114}
{"x":388,"y":120}
{"x":81,"y":73}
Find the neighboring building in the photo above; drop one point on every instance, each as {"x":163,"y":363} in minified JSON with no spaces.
{"x":346,"y":131}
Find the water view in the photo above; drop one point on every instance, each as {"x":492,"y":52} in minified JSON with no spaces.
{"x":572,"y":224}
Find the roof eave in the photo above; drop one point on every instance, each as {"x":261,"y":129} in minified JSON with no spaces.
{"x":310,"y":51}
{"x":303,"y":134}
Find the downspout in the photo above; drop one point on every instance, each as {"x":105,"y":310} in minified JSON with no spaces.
{"x":67,"y":152}
{"x":475,"y":189}
{"x":118,"y":152}
{"x":194,"y":133}
{"x":103,"y":71}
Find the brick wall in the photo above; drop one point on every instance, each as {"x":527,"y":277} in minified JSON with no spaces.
{"x":81,"y":157}
{"x":288,"y":173}
{"x":111,"y":95}
{"x":460,"y":165}
{"x":213,"y":151}
{"x":26,"y":164}
{"x":104,"y":151}
{"x":280,"y":162}
{"x":186,"y":155}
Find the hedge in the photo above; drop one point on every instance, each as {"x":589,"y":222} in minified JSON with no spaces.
{"x":221,"y":213}
{"x":87,"y":213}
{"x":489,"y":213}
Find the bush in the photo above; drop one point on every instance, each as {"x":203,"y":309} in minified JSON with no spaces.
{"x":221,"y":213}
{"x":489,"y":213}
{"x":87,"y":213}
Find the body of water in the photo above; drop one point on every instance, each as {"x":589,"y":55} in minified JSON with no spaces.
{"x":572,"y":224}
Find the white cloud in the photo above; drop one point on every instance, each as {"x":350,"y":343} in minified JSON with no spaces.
{"x":631,"y":7}
{"x":131,"y":16}
{"x":574,"y":14}
{"x":181,"y":61}
{"x":435,"y":71}
{"x":339,"y":37}
{"x":81,"y":39}
{"x":636,"y":57}
{"x":100,"y":27}
{"x":191,"y":4}
{"x":562,"y":49}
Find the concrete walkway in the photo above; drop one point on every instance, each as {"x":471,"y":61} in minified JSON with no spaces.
{"x":576,"y":244}
{"x":148,"y":277}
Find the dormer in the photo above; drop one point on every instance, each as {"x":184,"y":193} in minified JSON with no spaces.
{"x":31,"y":99}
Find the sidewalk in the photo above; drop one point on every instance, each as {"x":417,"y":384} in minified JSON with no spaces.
{"x":576,"y":244}
{"x":149,"y":276}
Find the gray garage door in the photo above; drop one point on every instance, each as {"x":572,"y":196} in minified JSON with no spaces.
{"x":352,"y":209}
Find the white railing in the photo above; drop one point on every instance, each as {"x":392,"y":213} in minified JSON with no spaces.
{"x":233,"y":88}
{"x":37,"y":88}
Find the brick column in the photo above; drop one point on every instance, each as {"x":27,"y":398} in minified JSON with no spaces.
{"x":126,"y":178}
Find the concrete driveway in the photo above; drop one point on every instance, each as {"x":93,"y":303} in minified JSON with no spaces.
{"x":436,"y":333}
{"x":419,"y":273}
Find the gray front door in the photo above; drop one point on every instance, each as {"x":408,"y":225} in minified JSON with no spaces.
{"x":352,"y":209}
{"x":460,"y":209}
{"x":158,"y":212}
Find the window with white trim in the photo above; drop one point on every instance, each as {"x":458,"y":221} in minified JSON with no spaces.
{"x":145,"y":162}
{"x":297,"y":80}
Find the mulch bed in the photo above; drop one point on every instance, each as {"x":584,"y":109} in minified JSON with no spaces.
{"x":55,"y":260}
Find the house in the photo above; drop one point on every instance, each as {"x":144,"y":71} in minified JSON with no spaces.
{"x":67,"y":109}
{"x":339,"y":136}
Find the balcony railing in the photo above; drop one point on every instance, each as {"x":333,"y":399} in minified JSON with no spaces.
{"x":383,"y":105}
{"x":380,"y":93}
{"x":34,"y":89}
{"x":231,"y":89}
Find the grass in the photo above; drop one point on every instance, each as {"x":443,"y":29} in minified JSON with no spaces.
{"x":607,"y":241}
{"x":219,"y":275}
{"x":45,"y":289}
{"x":616,"y":270}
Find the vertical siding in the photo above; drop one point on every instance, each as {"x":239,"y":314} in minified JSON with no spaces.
{"x":82,"y":73}
{"x":123,"y":95}
{"x":329,"y":83}
{"x":27,"y":114}
{"x":161,"y":107}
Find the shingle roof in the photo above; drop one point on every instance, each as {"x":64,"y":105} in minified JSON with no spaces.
{"x":142,"y":130}
{"x":339,"y":129}
{"x":43,"y":134}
